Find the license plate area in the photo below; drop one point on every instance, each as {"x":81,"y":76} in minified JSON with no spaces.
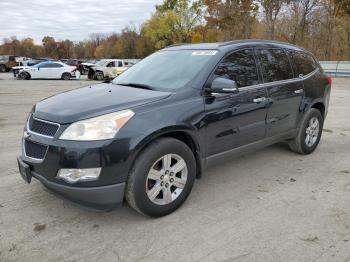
{"x":24,"y":171}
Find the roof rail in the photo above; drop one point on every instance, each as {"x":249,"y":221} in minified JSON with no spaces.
{"x":255,"y":40}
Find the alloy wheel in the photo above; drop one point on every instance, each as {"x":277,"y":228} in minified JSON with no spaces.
{"x":312,"y":131}
{"x":166,"y":179}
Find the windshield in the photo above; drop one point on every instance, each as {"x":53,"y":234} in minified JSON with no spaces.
{"x":101,"y":63}
{"x":166,"y":70}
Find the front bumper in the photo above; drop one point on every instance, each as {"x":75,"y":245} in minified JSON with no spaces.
{"x":97,"y":198}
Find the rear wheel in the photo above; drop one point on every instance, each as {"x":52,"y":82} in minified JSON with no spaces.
{"x":162,"y":177}
{"x":309,"y":134}
{"x":66,"y":76}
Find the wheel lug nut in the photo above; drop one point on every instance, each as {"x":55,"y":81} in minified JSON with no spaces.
{"x":172,"y":180}
{"x":166,"y":185}
{"x":162,"y":184}
{"x":161,"y":177}
{"x":172,"y":173}
{"x":167,"y":172}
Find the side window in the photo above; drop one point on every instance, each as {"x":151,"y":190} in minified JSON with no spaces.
{"x":120,"y":64}
{"x":55,"y":65}
{"x":239,"y":66}
{"x":303,"y":64}
{"x":275,"y":65}
{"x":44,"y":65}
{"x":110,"y":64}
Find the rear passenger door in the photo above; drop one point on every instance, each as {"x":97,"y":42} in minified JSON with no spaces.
{"x":284,"y":90}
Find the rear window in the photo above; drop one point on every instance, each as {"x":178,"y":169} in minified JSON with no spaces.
{"x":275,"y":65}
{"x":303,"y":63}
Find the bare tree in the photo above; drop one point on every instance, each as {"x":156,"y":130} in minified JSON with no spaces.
{"x":271,"y":9}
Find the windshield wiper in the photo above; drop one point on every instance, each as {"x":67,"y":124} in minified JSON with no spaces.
{"x":137,"y":85}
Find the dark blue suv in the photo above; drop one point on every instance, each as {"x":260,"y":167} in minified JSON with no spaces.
{"x":149,"y":133}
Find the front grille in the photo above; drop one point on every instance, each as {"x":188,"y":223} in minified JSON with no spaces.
{"x":42,"y":127}
{"x":34,"y":150}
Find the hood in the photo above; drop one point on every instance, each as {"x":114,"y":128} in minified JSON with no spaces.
{"x":93,"y":101}
{"x":88,"y":64}
{"x":21,"y":67}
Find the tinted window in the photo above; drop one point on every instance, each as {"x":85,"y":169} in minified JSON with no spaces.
{"x":55,"y":65}
{"x":44,"y":65}
{"x":275,"y":65}
{"x":110,"y":64}
{"x":239,"y":66}
{"x":303,"y":63}
{"x":120,"y":64}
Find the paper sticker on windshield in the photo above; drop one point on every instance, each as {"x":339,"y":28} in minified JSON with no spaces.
{"x":205,"y":52}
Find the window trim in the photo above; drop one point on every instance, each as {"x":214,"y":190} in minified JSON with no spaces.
{"x":260,"y":73}
{"x":281,"y":82}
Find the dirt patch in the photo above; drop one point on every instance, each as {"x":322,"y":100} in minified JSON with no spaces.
{"x":328,"y":130}
{"x":39,"y":227}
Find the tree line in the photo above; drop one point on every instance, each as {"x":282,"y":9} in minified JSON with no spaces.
{"x":320,"y":26}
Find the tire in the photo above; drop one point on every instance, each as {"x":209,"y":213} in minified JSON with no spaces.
{"x":23,"y":76}
{"x":2,"y":68}
{"x":66,"y":76}
{"x":99,"y":76}
{"x":140,"y":184}
{"x":299,"y":144}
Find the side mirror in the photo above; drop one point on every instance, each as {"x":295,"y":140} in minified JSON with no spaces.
{"x":223,"y":85}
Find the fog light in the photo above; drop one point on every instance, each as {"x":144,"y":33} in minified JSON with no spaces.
{"x":76,"y":175}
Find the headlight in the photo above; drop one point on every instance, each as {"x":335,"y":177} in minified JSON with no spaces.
{"x":97,"y":128}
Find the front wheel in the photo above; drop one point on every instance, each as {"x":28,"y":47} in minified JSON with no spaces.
{"x":23,"y":76}
{"x":161,"y":178}
{"x":309,"y":134}
{"x":2,"y":68}
{"x":99,"y":76}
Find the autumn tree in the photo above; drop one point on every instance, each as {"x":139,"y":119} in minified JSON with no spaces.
{"x":231,"y":19}
{"x":173,"y":22}
{"x":271,"y":9}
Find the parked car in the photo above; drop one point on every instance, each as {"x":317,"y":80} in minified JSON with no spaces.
{"x":84,"y":67}
{"x":26,"y":64}
{"x":108,"y":68}
{"x":7,"y":62}
{"x":147,"y":135}
{"x":47,"y":70}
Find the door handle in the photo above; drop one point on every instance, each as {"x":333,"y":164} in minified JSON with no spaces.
{"x":259,"y":99}
{"x":299,"y":91}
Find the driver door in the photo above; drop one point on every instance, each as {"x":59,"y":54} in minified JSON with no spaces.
{"x":237,"y":119}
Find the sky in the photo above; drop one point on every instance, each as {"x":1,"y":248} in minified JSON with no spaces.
{"x":70,"y":19}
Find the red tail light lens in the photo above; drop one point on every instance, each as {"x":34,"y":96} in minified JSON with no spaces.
{"x":329,"y":80}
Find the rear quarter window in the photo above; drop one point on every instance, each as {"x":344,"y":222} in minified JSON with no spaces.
{"x":303,"y":63}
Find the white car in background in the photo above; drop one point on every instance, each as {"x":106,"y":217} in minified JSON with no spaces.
{"x":108,"y":68}
{"x":47,"y":70}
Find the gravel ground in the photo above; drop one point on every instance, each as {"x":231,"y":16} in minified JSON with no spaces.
{"x":272,"y":205}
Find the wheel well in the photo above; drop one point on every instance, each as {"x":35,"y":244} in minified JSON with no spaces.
{"x":25,"y":72}
{"x":188,"y":140}
{"x":320,"y":107}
